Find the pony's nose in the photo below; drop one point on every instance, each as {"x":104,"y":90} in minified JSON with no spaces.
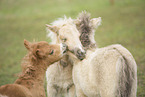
{"x":80,"y":55}
{"x":64,"y":47}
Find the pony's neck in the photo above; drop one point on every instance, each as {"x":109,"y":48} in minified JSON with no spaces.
{"x":34,"y":74}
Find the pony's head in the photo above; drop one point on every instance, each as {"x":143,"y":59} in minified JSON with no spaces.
{"x":65,"y":31}
{"x":87,"y":27}
{"x":44,"y":52}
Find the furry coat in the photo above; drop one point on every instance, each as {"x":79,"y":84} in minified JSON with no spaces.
{"x":106,"y":72}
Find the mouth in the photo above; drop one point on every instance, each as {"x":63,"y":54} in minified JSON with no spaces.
{"x":81,"y":57}
{"x":64,"y":51}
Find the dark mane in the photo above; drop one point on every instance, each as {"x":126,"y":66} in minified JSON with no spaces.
{"x":85,"y":28}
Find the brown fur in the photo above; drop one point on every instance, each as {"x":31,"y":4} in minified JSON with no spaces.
{"x":31,"y":81}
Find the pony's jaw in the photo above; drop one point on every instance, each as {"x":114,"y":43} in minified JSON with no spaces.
{"x":73,"y":57}
{"x":77,"y":54}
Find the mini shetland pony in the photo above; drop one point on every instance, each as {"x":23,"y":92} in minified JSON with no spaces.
{"x":59,"y":75}
{"x":105,"y":72}
{"x":31,"y":81}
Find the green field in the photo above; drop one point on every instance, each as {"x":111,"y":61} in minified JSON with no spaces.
{"x":122,"y":23}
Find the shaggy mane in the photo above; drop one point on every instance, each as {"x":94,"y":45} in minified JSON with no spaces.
{"x":59,"y":23}
{"x":86,"y":30}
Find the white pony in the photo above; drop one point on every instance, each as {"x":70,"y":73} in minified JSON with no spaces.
{"x":107,"y":72}
{"x":59,"y":76}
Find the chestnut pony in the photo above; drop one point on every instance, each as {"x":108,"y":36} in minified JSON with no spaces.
{"x":31,"y":82}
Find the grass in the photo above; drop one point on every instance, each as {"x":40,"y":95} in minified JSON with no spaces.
{"x":122,"y":23}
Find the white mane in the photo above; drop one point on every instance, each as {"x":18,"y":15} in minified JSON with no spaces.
{"x":59,"y":23}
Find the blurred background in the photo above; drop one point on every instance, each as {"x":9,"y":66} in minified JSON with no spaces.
{"x":123,"y":22}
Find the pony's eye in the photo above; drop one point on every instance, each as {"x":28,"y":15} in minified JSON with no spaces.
{"x":51,"y":52}
{"x":64,"y":39}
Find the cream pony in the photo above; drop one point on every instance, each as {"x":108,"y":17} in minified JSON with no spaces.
{"x":59,"y":76}
{"x":105,"y":72}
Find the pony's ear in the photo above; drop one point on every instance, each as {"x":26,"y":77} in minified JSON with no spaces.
{"x":96,"y":22}
{"x":52,"y":28}
{"x":27,"y":44}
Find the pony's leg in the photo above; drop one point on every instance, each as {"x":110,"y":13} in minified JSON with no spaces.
{"x":51,"y":91}
{"x":71,"y":91}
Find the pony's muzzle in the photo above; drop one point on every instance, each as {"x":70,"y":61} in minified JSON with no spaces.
{"x":80,"y":54}
{"x":64,"y":47}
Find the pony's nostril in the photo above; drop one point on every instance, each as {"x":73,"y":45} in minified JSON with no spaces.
{"x":79,"y":52}
{"x":80,"y":55}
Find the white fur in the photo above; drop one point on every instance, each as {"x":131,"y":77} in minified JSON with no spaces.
{"x":59,"y":23}
{"x":59,"y":78}
{"x":98,"y":74}
{"x":62,"y":77}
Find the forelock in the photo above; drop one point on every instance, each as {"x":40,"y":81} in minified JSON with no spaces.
{"x":86,"y":29}
{"x":59,"y":23}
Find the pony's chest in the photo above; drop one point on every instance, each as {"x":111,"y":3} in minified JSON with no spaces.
{"x":61,"y":78}
{"x":63,"y":82}
{"x":82,"y":77}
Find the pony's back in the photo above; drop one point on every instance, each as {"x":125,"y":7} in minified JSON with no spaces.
{"x":14,"y":90}
{"x":115,"y":67}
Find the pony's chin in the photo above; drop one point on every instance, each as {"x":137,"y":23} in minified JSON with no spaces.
{"x":72,"y":55}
